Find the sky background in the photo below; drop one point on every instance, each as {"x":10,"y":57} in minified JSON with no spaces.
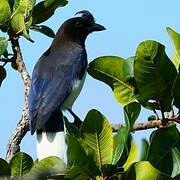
{"x":127,"y":22}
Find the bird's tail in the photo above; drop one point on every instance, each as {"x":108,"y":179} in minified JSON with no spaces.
{"x":52,"y":144}
{"x":51,"y":138}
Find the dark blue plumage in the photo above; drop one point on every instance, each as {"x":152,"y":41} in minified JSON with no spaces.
{"x":57,"y":73}
{"x":52,"y":82}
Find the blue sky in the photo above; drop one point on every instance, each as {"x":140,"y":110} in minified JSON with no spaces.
{"x":127,"y":22}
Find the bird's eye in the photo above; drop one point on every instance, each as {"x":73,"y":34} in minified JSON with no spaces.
{"x":78,"y":24}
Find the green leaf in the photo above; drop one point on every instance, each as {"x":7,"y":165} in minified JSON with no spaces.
{"x":23,"y":7}
{"x":177,"y":177}
{"x":115,"y":72}
{"x":133,"y":155}
{"x":2,"y":74}
{"x":44,"y":30}
{"x":51,"y":2}
{"x":28,"y":23}
{"x":97,"y":133}
{"x":175,"y":38}
{"x":143,"y":170}
{"x":18,"y":23}
{"x":3,"y":45}
{"x":20,"y":164}
{"x":126,"y":149}
{"x":119,"y":141}
{"x":78,"y":157}
{"x":131,"y":113}
{"x":162,"y":143}
{"x":14,"y":65}
{"x":46,"y":167}
{"x":5,"y":54}
{"x":147,"y":104}
{"x":152,"y":117}
{"x":5,"y":169}
{"x":77,"y":173}
{"x":176,"y":161}
{"x":109,"y":170}
{"x":5,"y":15}
{"x":19,"y":27}
{"x":145,"y":146}
{"x":45,"y":9}
{"x":154,"y":74}
{"x":176,"y":90}
{"x":21,"y":17}
{"x":57,"y":177}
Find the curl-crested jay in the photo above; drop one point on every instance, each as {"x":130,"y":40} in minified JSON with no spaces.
{"x":57,"y":80}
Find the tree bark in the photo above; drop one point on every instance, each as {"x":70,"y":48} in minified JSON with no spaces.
{"x":23,"y":125}
{"x":149,"y":124}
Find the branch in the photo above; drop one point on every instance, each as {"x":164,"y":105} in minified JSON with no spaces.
{"x":23,"y":125}
{"x":149,"y":124}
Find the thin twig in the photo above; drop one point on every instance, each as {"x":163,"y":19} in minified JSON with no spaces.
{"x":6,"y":60}
{"x":149,"y":124}
{"x":157,"y":116}
{"x":23,"y":125}
{"x":4,"y":64}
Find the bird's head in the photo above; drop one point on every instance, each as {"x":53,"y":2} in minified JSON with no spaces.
{"x":77,"y":29}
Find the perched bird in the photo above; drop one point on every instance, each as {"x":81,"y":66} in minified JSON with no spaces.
{"x":57,"y":80}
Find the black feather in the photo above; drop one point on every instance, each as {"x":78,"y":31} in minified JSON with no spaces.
{"x":86,"y":15}
{"x":52,"y":83}
{"x":47,"y":53}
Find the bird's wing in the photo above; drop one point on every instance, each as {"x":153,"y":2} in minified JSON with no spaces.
{"x":52,"y":82}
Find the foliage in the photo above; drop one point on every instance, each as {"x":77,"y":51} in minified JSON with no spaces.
{"x":149,"y":78}
{"x":116,"y":72}
{"x":18,"y":18}
{"x":154,"y":74}
{"x":144,"y":170}
{"x":95,"y":153}
{"x":164,"y":142}
{"x":175,"y":37}
{"x":152,"y":79}
{"x":20,"y":164}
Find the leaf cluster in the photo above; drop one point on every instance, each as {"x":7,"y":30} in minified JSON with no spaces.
{"x":21,"y":15}
{"x":18,"y":18}
{"x":94,"y":152}
{"x":149,"y":77}
{"x":22,"y":166}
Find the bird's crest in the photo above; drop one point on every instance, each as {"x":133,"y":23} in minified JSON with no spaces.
{"x":86,"y":15}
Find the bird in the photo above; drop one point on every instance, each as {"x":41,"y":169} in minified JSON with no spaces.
{"x":57,"y":80}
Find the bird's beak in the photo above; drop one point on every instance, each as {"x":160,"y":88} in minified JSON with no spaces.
{"x":97,"y":27}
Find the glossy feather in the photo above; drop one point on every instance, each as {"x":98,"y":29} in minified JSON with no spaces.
{"x":52,"y":82}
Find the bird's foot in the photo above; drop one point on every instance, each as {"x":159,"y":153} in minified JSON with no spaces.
{"x":77,"y":120}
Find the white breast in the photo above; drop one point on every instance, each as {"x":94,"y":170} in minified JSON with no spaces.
{"x":76,"y":89}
